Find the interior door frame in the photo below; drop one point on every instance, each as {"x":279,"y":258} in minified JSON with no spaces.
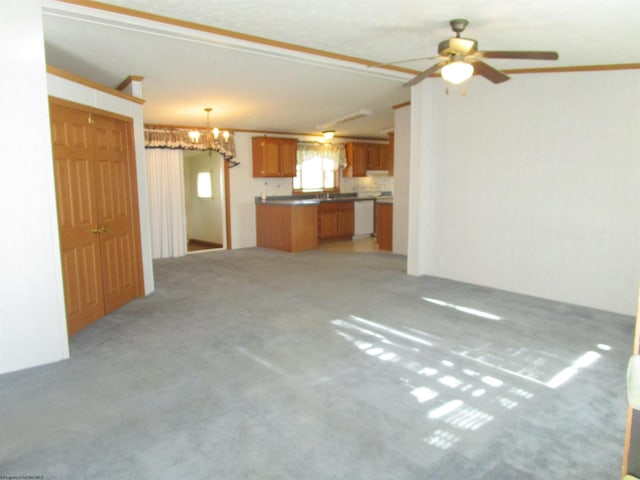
{"x":227,"y":202}
{"x":221,"y":171}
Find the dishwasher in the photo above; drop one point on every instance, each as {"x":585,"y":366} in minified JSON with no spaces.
{"x":363,"y":218}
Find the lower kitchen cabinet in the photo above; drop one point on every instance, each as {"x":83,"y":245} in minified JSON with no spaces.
{"x":384,"y":226}
{"x":291,"y":228}
{"x":335,"y":220}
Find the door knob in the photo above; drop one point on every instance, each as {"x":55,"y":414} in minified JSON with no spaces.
{"x":96,"y":230}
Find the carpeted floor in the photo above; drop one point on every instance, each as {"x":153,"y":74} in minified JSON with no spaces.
{"x":256,"y":364}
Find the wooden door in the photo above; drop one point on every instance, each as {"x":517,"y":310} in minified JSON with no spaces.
{"x":77,"y":217}
{"x":117,"y":203}
{"x":97,"y":212}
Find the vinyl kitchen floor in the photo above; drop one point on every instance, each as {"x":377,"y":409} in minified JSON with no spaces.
{"x":367,"y":245}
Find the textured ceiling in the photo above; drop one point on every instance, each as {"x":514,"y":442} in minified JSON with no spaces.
{"x":259,"y":90}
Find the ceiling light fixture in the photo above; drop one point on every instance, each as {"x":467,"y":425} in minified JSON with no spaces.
{"x":457,"y":72}
{"x":195,"y":135}
{"x":328,"y":134}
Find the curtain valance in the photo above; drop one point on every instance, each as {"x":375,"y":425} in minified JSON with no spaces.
{"x":335,"y":152}
{"x":178,"y":138}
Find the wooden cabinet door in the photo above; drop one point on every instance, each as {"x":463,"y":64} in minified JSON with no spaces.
{"x":274,"y":157}
{"x":373,"y":157}
{"x":97,"y":205}
{"x":288,"y":157}
{"x":271,"y":157}
{"x":389,"y":154}
{"x":384,"y":226}
{"x":357,"y":154}
{"x":383,"y":156}
{"x":117,"y":202}
{"x":78,"y":218}
{"x":327,"y":220}
{"x":346,"y":217}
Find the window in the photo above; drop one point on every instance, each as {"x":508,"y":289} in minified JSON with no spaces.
{"x":318,"y":167}
{"x":204,"y":185}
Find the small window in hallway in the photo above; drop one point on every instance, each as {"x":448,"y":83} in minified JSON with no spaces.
{"x":204,"y":185}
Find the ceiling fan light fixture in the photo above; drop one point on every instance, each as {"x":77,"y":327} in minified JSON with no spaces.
{"x":457,"y":72}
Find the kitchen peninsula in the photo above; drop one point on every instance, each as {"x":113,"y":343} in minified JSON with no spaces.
{"x":297,"y":223}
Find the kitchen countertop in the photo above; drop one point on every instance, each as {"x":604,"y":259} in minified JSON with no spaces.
{"x":293,"y":201}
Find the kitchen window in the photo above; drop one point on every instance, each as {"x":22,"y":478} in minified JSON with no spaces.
{"x":318,"y":167}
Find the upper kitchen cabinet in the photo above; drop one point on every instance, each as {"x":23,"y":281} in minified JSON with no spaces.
{"x":368,"y":156}
{"x":274,"y":157}
{"x":357,"y":157}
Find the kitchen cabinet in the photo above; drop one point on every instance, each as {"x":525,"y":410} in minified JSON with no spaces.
{"x":363,"y":156}
{"x":384,"y":226}
{"x":291,"y":228}
{"x":389,"y":154}
{"x":335,"y":220}
{"x":357,"y":157}
{"x":274,"y":156}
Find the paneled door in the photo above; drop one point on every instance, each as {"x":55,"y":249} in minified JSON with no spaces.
{"x":97,"y":211}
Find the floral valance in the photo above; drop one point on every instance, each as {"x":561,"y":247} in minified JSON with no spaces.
{"x":178,"y":138}
{"x":334,"y":152}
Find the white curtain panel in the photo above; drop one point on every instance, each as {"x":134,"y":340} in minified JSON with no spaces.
{"x":166,"y":202}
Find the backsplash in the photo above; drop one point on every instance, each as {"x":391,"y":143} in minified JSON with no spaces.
{"x":376,"y":183}
{"x":282,"y":186}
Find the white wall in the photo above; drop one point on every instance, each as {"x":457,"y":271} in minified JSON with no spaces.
{"x":531,"y":186}
{"x":82,"y":94}
{"x":402,"y":142}
{"x":33,"y":328}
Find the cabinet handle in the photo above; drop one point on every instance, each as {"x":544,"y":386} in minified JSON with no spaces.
{"x":96,"y":230}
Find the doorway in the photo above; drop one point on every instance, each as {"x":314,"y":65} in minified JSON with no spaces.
{"x":205,"y":208}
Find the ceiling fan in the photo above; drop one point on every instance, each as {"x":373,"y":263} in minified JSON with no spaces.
{"x":459,"y":58}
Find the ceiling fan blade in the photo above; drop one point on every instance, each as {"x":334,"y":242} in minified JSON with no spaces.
{"x":487,"y":71}
{"x":522,"y":54}
{"x":418,"y":78}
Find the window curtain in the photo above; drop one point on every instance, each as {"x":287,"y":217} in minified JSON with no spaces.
{"x":165,"y":180}
{"x":309,"y":151}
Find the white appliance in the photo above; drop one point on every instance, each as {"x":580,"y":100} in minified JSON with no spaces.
{"x":363,"y":217}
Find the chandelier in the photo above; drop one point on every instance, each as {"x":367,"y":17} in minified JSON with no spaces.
{"x":211,"y":136}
